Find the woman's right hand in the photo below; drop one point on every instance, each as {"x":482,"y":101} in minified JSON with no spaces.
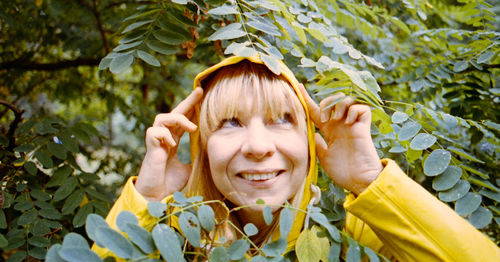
{"x":162,"y":173}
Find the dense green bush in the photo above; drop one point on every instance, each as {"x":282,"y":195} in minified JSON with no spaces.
{"x":72,"y":130}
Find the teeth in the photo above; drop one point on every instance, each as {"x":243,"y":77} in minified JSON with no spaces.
{"x":264,"y":176}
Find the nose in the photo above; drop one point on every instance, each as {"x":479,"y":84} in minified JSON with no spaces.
{"x":259,"y":141}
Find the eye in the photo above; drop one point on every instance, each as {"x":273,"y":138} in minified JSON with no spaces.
{"x":286,"y":119}
{"x":228,"y":123}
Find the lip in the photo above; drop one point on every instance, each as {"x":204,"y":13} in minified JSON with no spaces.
{"x":260,"y":183}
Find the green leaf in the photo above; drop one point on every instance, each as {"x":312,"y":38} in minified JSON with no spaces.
{"x":50,"y":213}
{"x":468,"y":204}
{"x":40,"y":227}
{"x":161,"y":47}
{"x":23,"y":205}
{"x":31,"y":168}
{"x":448,"y":179}
{"x":323,"y":221}
{"x":408,"y":130}
{"x":27,"y":218}
{"x":3,"y":221}
{"x":136,"y":25}
{"x":57,"y":150}
{"x":223,"y":10}
{"x":286,"y":222}
{"x":127,"y":46}
{"x":53,"y":254}
{"x":81,"y":215}
{"x":92,"y":223}
{"x":115,"y":242}
{"x":74,"y":240}
{"x":157,"y":209}
{"x":66,"y":188}
{"x":371,"y":254}
{"x":271,"y":63}
{"x":72,"y":202}
{"x":308,"y":247}
{"x":17,"y":257}
{"x":230,"y":31}
{"x":125,"y":218}
{"x":190,"y":227}
{"x":219,"y":254}
{"x":238,"y":249}
{"x":267,"y":28}
{"x":397,"y":149}
{"x":485,"y":57}
{"x":464,"y":154}
{"x":353,"y":253}
{"x":334,"y":253}
{"x":437,"y":162}
{"x":456,"y":192}
{"x":267,"y":212}
{"x":59,"y":176}
{"x":250,"y":229}
{"x":460,"y":66}
{"x":78,"y":254}
{"x":481,"y":218}
{"x":167,"y":243}
{"x":474,"y":171}
{"x":483,"y":183}
{"x":3,"y":241}
{"x":180,"y":198}
{"x":206,"y":217}
{"x":170,"y":37}
{"x":121,"y":62}
{"x":39,"y":241}
{"x":24,"y":148}
{"x":141,"y":237}
{"x":491,"y":195}
{"x":40,"y":195}
{"x":422,"y":141}
{"x":399,"y":117}
{"x":44,"y":158}
{"x":276,"y":248}
{"x":146,"y":57}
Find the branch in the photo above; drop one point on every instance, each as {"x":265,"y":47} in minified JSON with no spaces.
{"x":29,"y":65}
{"x":128,"y":2}
{"x":17,"y":119}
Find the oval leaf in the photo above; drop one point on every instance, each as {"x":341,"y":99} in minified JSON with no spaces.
{"x":468,"y":204}
{"x":124,"y":218}
{"x":238,"y":249}
{"x":408,"y":131}
{"x":448,"y":179}
{"x":460,"y":66}
{"x":286,"y":222}
{"x":219,"y":254}
{"x":79,"y":254}
{"x":308,"y":247}
{"x":146,"y":57}
{"x":481,"y":218}
{"x":92,"y":223}
{"x":230,"y":31}
{"x":456,"y":192}
{"x":115,"y":242}
{"x":399,"y":117}
{"x":74,"y":240}
{"x":166,"y":241}
{"x":250,"y":229}
{"x":422,"y":141}
{"x":206,"y":217}
{"x":190,"y":228}
{"x":437,"y":162}
{"x":141,"y":237}
{"x":157,"y":209}
{"x":267,"y":212}
{"x":120,"y":63}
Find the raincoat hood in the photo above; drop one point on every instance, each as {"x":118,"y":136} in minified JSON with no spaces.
{"x":312,"y":173}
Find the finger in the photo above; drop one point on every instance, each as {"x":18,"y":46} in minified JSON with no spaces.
{"x":321,"y":146}
{"x":186,"y":105}
{"x":174,"y":120}
{"x":358,"y":112}
{"x":327,"y":105}
{"x":341,"y":107}
{"x":157,"y":136}
{"x":314,"y":111}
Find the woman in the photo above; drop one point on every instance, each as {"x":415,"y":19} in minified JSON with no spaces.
{"x":253,"y":137}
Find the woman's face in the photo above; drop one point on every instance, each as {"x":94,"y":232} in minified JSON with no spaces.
{"x":253,"y":156}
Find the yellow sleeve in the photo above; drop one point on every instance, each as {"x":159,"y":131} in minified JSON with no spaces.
{"x":400,"y":219}
{"x":130,"y":200}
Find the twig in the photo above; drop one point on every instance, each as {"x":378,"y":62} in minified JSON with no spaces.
{"x":17,"y":119}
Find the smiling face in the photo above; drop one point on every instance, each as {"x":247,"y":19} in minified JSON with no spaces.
{"x":256,"y":142}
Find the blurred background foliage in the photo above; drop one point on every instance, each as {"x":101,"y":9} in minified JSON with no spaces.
{"x":72,"y":131}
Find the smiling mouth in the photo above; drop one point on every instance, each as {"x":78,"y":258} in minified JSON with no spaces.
{"x":261,"y":176}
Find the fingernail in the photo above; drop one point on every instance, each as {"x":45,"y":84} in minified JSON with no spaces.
{"x":324,"y":117}
{"x":337,"y":115}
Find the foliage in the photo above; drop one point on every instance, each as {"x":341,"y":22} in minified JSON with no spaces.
{"x":67,"y":119}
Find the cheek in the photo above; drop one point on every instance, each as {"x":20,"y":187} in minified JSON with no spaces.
{"x":220,"y":151}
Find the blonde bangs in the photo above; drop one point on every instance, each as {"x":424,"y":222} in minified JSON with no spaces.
{"x":271,"y":94}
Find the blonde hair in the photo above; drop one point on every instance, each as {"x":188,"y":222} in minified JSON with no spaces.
{"x":223,"y":90}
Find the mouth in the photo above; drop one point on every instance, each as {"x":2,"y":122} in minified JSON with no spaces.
{"x":260,"y":177}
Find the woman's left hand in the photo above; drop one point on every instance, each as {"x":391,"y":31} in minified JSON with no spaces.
{"x":345,"y":148}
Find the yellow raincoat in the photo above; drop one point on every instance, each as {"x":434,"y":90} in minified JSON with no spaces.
{"x":394,"y":216}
